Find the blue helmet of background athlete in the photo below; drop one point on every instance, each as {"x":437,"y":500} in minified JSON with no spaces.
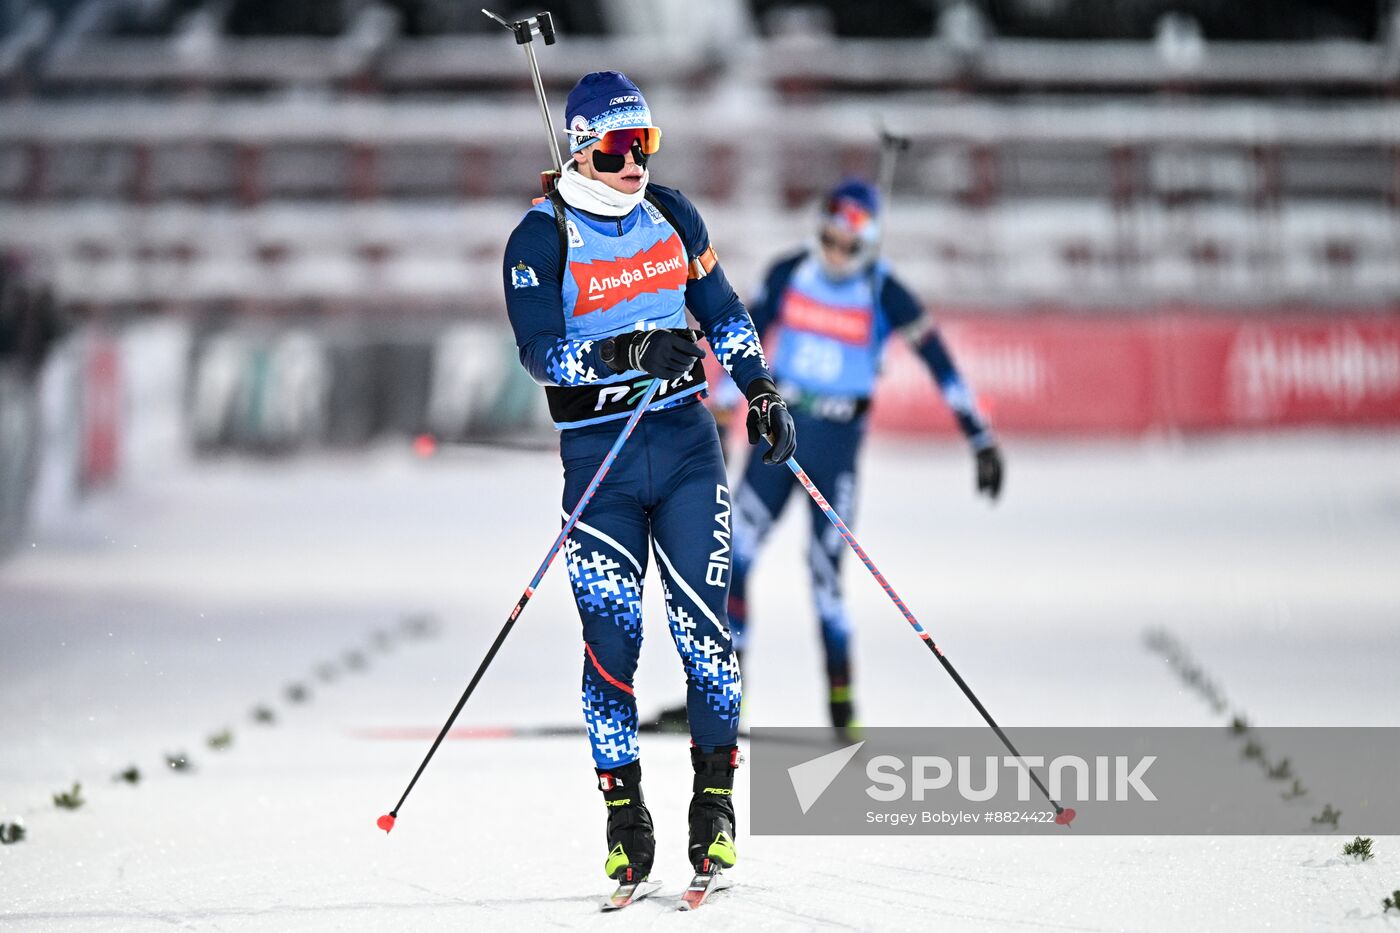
{"x":848,"y":236}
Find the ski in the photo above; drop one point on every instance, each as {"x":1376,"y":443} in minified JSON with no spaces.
{"x":630,"y":892}
{"x":701,"y":887}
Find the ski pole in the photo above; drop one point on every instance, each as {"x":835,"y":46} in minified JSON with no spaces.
{"x":525,"y":30}
{"x":1063,"y":815}
{"x":891,"y":145}
{"x":386,"y":822}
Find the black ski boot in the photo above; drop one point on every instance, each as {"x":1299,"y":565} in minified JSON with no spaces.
{"x":843,"y":713}
{"x":841,"y":702}
{"x":712,"y":808}
{"x":631,"y":842}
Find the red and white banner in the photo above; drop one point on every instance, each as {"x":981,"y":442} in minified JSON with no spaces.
{"x":100,"y":424}
{"x":1066,"y":373}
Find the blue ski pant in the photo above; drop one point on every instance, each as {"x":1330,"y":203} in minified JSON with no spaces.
{"x":666,"y":492}
{"x":827,"y":451}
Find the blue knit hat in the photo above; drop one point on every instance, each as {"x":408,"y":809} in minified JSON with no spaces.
{"x":852,"y":206}
{"x":602,"y":101}
{"x":858,"y":192}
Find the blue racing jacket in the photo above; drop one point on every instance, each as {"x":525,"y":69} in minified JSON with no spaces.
{"x":830,"y":337}
{"x":567,"y":289}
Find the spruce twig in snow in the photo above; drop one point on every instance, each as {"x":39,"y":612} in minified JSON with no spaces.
{"x":1328,"y":815}
{"x":264,"y":716}
{"x":419,"y":626}
{"x":1238,"y":725}
{"x":70,"y":799}
{"x":1392,"y":902}
{"x":297,"y":693}
{"x":131,"y":775}
{"x":179,"y":762}
{"x":1253,"y":749}
{"x":1297,"y":790}
{"x":1281,"y":771}
{"x":220,"y":740}
{"x":10,"y":833}
{"x":1359,"y":849}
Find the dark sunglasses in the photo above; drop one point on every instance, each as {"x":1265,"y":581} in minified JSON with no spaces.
{"x":610,"y":155}
{"x":620,"y":142}
{"x":830,"y":242}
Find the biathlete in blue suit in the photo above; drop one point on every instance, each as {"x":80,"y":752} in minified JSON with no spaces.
{"x":598,"y":277}
{"x":825,"y":313}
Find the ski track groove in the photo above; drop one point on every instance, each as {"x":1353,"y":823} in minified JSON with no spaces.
{"x":230,"y":913}
{"x":1060,"y":892}
{"x":196,"y":913}
{"x":995,"y":920}
{"x":786,"y":912}
{"x":492,"y":904}
{"x":864,"y":883}
{"x":928,"y":908}
{"x":966,"y":879}
{"x":125,"y":889}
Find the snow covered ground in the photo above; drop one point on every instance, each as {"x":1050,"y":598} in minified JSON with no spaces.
{"x":167,"y":610}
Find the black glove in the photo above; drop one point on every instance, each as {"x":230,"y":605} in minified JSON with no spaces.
{"x":769,"y":417}
{"x":989,"y":470}
{"x":666,"y":353}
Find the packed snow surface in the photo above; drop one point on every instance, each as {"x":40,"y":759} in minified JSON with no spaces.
{"x":164,"y":611}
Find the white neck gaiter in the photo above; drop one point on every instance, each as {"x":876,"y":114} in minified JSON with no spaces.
{"x":593,"y":196}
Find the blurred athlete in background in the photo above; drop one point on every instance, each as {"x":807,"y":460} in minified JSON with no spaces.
{"x":825,"y":312}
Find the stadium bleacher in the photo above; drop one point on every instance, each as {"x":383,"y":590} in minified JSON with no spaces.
{"x":1096,"y":154}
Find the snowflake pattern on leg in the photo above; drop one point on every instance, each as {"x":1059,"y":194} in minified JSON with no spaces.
{"x":710,"y":663}
{"x":610,"y":716}
{"x":609,"y":597}
{"x":605,"y":588}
